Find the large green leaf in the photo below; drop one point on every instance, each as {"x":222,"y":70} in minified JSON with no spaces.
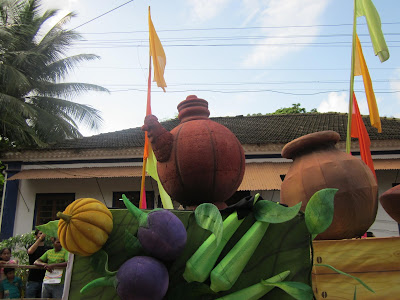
{"x":286,"y":246}
{"x":319,"y":211}
{"x":50,"y":228}
{"x":99,"y":262}
{"x":272,"y":212}
{"x":208,"y":217}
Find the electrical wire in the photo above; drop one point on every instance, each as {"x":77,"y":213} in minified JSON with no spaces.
{"x":91,"y":20}
{"x":238,"y":28}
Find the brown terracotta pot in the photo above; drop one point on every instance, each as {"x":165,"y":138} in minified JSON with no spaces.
{"x":318,"y":164}
{"x":199,"y":160}
{"x":390,"y":201}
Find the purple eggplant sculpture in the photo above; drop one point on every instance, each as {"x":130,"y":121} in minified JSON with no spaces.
{"x":139,"y":278}
{"x":161,"y":233}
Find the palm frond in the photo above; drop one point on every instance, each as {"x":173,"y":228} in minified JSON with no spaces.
{"x":59,"y":69}
{"x":53,"y":128}
{"x":12,"y":81}
{"x":67,"y":90}
{"x":16,"y":107}
{"x":84,"y":114}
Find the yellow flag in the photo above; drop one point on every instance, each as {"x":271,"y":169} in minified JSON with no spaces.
{"x":366,"y":8}
{"x":158,"y":54}
{"x":360,"y":68}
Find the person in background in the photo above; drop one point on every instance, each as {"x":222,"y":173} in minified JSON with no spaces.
{"x":54,"y":262}
{"x":35,"y":278}
{"x":10,"y":287}
{"x":5,"y":258}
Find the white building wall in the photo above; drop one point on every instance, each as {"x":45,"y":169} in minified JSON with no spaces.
{"x":384,"y":225}
{"x":83,"y":188}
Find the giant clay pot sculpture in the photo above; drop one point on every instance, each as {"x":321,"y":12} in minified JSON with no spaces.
{"x":199,"y":160}
{"x":390,"y":201}
{"x":318,"y":164}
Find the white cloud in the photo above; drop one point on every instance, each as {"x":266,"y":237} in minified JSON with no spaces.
{"x":277,"y":13}
{"x":67,"y":5}
{"x":339,"y":102}
{"x":203,"y":10}
{"x":336,"y":102}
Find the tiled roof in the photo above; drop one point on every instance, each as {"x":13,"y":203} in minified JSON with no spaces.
{"x":277,"y":129}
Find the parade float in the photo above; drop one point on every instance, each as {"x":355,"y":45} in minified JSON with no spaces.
{"x":255,"y":248}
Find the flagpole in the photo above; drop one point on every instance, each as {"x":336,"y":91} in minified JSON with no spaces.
{"x":142,"y":203}
{"x":348,"y":137}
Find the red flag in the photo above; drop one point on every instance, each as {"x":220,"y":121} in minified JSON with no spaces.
{"x":359,"y":131}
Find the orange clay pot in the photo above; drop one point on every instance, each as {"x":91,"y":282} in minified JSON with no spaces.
{"x":199,"y":160}
{"x":390,"y":201}
{"x":318,"y":164}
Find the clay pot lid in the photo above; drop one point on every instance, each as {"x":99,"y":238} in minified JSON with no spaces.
{"x":309,"y":140}
{"x":193,"y":108}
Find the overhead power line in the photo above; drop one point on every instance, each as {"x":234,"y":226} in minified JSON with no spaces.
{"x":238,"y":28}
{"x":240,"y":69}
{"x":102,"y":14}
{"x":231,"y":91}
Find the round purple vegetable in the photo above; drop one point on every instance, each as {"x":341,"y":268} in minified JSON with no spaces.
{"x":139,"y":278}
{"x":161,"y":233}
{"x":142,"y":277}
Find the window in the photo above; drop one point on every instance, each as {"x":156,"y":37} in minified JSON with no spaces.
{"x":134,"y":197}
{"x":48,"y":205}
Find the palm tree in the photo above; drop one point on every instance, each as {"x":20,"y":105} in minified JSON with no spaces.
{"x":35,"y":104}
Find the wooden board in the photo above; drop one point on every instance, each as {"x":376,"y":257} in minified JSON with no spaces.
{"x":376,"y":261}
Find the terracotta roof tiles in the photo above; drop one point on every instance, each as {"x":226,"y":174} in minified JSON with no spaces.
{"x":265,"y":129}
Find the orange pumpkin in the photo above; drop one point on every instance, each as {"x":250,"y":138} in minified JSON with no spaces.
{"x":84,"y":226}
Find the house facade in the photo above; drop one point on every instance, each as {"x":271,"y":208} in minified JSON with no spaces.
{"x":41,"y":182}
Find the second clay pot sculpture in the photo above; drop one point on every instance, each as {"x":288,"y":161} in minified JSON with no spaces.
{"x":199,"y":160}
{"x":318,"y":164}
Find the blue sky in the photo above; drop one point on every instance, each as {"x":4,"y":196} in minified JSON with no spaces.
{"x":242,"y":56}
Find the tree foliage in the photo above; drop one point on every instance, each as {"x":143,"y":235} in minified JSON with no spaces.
{"x":294,"y":109}
{"x":35,"y":103}
{"x":19,"y":245}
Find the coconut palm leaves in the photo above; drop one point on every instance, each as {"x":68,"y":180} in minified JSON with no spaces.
{"x":35,"y":105}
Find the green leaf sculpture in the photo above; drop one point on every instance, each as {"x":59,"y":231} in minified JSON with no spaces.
{"x":99,"y":262}
{"x":49,"y":229}
{"x":319,"y":211}
{"x":272,"y":212}
{"x":286,"y":246}
{"x":208,"y":217}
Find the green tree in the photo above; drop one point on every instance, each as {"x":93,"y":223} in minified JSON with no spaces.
{"x":295,"y":109}
{"x":35,"y":103}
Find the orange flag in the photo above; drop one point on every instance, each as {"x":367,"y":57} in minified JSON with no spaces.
{"x":359,"y":131}
{"x":360,"y":68}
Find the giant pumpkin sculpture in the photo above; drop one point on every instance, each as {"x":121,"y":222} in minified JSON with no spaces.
{"x":84,"y":226}
{"x":318,"y":164}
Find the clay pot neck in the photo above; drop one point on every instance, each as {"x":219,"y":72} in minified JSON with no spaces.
{"x":193,"y":108}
